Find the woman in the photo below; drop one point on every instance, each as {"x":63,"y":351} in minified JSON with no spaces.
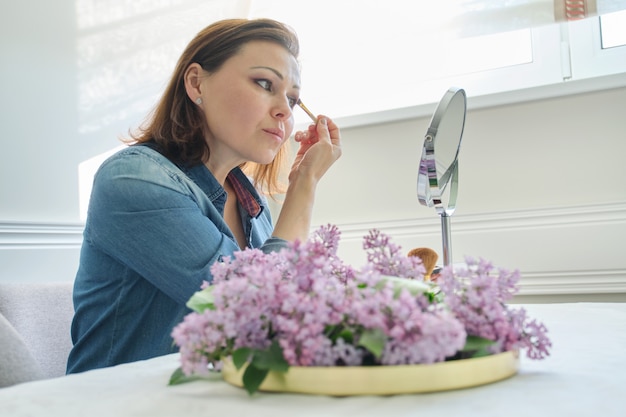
{"x":163,"y":210}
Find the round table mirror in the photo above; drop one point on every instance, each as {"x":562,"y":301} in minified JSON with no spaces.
{"x":438,"y":176}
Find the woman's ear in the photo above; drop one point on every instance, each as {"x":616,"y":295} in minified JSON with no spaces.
{"x":193,"y":80}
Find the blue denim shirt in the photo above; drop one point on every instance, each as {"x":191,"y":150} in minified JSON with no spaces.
{"x":153,"y":231}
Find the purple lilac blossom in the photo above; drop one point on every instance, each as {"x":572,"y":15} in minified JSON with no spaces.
{"x":299,"y":295}
{"x":386,"y":258}
{"x":477,"y":295}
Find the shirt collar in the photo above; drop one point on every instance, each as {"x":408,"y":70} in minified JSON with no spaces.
{"x":245,"y":191}
{"x":246,"y":194}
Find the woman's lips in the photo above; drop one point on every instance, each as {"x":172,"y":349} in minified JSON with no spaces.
{"x":276,"y":132}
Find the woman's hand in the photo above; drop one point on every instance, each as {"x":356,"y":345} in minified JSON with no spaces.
{"x":320,"y":147}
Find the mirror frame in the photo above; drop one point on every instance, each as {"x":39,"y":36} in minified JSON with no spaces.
{"x":433,"y":186}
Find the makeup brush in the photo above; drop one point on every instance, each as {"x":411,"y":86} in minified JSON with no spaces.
{"x":429,"y":259}
{"x":307,"y":111}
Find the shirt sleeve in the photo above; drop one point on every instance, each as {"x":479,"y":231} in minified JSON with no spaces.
{"x":274,"y":244}
{"x":143,"y":214}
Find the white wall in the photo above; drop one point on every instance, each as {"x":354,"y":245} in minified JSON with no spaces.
{"x":542,"y":183}
{"x":38,"y":133}
{"x":542,"y":189}
{"x":39,"y":142}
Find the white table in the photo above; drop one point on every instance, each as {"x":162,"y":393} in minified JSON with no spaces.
{"x":584,"y":376}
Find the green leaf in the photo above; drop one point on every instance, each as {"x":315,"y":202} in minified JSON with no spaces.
{"x":260,"y":363}
{"x":477,"y":346}
{"x":241,"y":356}
{"x":480,"y":353}
{"x":414,"y":286}
{"x":374,"y":341}
{"x":270,"y":359}
{"x":178,"y":377}
{"x":202,"y":300}
{"x":476,"y":343}
{"x":436,"y":297}
{"x":337,"y":331}
{"x":347,"y":335}
{"x":253,"y":377}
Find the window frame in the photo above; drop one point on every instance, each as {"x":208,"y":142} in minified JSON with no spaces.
{"x":588,"y":59}
{"x":567,"y":59}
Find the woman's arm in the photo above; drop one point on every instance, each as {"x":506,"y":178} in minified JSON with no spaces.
{"x":320,"y":147}
{"x":144,"y":215}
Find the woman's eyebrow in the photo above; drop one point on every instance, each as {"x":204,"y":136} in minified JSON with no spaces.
{"x":275,"y":71}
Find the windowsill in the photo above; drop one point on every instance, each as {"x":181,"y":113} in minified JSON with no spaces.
{"x":489,"y":100}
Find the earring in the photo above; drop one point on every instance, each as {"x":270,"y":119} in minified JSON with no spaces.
{"x":199,"y":101}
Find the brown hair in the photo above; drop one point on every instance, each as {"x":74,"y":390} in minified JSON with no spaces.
{"x":176,"y":125}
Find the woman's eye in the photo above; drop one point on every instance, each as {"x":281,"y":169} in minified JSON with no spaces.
{"x":265,"y":84}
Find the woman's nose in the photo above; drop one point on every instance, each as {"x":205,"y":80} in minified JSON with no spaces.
{"x":283,"y":109}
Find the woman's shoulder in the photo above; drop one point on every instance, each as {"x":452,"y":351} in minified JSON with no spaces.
{"x":136,"y":152}
{"x":137,"y":160}
{"x":136,"y":172}
{"x":139,"y":169}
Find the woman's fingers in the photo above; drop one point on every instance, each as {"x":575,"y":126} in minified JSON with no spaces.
{"x":310,"y":134}
{"x":320,"y":147}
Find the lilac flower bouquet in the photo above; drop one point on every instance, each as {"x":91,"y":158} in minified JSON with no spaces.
{"x":304,"y":307}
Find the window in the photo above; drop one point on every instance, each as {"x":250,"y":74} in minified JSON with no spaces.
{"x":366,"y":58}
{"x":613,"y":29}
{"x":362,"y":62}
{"x":598,"y":46}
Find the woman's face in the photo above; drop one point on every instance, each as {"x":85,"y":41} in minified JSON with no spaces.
{"x":248,"y":104}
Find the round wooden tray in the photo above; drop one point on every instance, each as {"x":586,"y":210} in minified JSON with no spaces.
{"x":385,"y":380}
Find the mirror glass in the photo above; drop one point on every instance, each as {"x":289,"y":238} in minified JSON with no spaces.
{"x":438,"y":176}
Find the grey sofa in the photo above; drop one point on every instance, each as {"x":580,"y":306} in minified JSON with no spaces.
{"x":35,"y":320}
